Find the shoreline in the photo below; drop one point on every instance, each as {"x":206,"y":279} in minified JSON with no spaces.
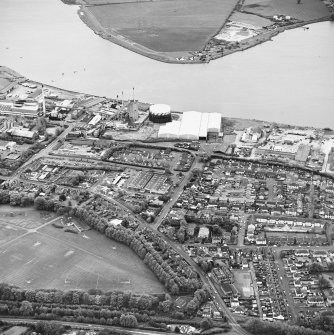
{"x":229,"y":118}
{"x":92,"y":23}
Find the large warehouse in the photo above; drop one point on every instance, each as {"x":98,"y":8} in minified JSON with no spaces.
{"x":193,"y":126}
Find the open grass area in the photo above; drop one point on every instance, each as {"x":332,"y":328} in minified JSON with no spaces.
{"x":307,"y":10}
{"x":254,"y":20}
{"x":166,"y":26}
{"x":16,"y":330}
{"x":27,"y":218}
{"x":52,"y":258}
{"x":243,"y":282}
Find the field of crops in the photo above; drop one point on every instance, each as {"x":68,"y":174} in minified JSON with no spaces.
{"x":165,"y":26}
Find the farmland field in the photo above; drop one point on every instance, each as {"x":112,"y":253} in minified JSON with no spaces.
{"x":307,"y":10}
{"x":165,"y":26}
{"x":51,"y":258}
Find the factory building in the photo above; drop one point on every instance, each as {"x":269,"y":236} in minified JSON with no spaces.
{"x":133,"y":112}
{"x":193,"y":126}
{"x":21,"y":107}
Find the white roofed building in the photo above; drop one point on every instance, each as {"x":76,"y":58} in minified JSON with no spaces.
{"x":214,"y":123}
{"x":170,"y":130}
{"x":190,"y":125}
{"x":203,"y":130}
{"x":95,"y":120}
{"x":193,"y":126}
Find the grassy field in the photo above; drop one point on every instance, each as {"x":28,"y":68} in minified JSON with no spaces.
{"x":254,"y":20}
{"x":307,"y":10}
{"x":26,"y":218}
{"x":52,"y":258}
{"x":16,"y":330}
{"x":166,"y":26}
{"x":243,"y":283}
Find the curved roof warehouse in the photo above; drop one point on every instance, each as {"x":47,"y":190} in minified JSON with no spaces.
{"x":193,"y":126}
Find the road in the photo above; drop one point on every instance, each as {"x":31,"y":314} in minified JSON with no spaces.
{"x":204,"y":277}
{"x":256,"y":290}
{"x":176,"y":194}
{"x":42,"y":153}
{"x":242,"y":229}
{"x":284,"y":283}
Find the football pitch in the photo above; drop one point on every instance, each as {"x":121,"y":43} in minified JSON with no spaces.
{"x":48,"y":257}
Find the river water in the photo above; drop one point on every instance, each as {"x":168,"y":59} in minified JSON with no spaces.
{"x":289,"y":79}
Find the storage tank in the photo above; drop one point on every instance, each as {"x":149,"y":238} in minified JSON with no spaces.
{"x":160,"y":113}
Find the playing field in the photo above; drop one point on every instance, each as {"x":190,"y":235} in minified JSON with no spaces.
{"x":165,"y":26}
{"x":307,"y":10}
{"x":243,"y":282}
{"x":52,"y":258}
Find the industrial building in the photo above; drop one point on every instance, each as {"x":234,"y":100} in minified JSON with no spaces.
{"x":160,"y":113}
{"x":193,"y":126}
{"x":20,"y":107}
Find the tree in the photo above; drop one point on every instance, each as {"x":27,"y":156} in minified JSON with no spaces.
{"x":324,"y":283}
{"x":128,"y":320}
{"x":174,"y":289}
{"x":315,"y":268}
{"x":49,"y":328}
{"x":26,"y":308}
{"x":206,"y":323}
{"x":40,"y":203}
{"x":62,"y":197}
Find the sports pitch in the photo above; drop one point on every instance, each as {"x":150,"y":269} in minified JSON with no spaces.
{"x":52,"y":258}
{"x":243,"y":281}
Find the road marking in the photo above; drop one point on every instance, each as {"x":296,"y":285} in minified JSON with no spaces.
{"x":30,"y":261}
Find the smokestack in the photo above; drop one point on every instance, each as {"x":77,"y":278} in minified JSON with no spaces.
{"x":43,"y":97}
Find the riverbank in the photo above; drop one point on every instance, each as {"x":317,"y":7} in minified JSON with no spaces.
{"x":236,"y":122}
{"x":183,"y":57}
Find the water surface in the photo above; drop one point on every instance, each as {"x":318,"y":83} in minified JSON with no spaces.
{"x":290,"y":79}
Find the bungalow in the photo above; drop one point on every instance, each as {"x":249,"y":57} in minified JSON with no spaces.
{"x":261,"y":241}
{"x":239,"y":310}
{"x":235,"y":302}
{"x":315,"y":301}
{"x":302,"y":253}
{"x":298,"y":292}
{"x":320,"y":253}
{"x":293,"y":269}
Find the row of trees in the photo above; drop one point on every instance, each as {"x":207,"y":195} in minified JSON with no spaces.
{"x":113,"y":299}
{"x":172,"y":277}
{"x":78,"y":314}
{"x":15,"y":198}
{"x":171,"y":270}
{"x":318,"y":268}
{"x":258,"y":327}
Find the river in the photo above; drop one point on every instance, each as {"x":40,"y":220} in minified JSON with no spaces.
{"x":289,"y":79}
